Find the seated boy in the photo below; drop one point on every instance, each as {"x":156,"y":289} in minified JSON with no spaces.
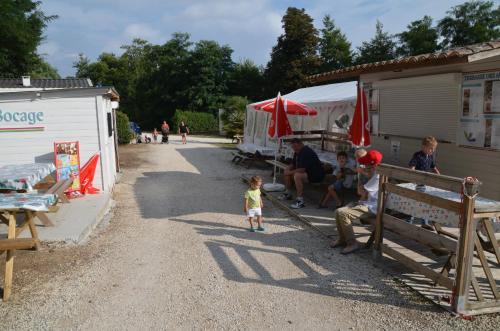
{"x":344,"y":177}
{"x":345,"y":215}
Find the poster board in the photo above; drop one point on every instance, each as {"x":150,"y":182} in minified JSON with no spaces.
{"x":480,"y":112}
{"x":67,"y":161}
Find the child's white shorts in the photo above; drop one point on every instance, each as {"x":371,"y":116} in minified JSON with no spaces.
{"x":252,"y":212}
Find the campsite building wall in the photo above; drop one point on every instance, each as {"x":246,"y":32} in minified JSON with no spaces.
{"x":68,"y":116}
{"x":410,"y":124}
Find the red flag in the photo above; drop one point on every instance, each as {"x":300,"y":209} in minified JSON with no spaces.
{"x":359,"y":132}
{"x":87,"y":173}
{"x":279,"y":120}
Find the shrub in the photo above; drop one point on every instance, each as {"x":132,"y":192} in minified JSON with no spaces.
{"x":233,"y":117}
{"x":123,"y":128}
{"x":196,"y":121}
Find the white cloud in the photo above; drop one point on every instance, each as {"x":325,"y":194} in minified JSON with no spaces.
{"x":250,"y":27}
{"x":143,"y":31}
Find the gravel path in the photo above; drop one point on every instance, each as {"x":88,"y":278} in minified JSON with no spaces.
{"x":176,"y":255}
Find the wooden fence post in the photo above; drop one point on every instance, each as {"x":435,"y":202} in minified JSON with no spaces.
{"x":465,"y":249}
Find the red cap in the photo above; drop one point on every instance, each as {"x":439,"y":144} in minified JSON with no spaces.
{"x":373,"y":157}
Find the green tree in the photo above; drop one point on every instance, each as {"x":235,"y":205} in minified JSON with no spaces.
{"x":334,"y":48}
{"x":419,"y":38}
{"x":246,"y":79}
{"x":380,"y":48}
{"x":42,"y":69}
{"x":294,"y":57}
{"x":209,"y":70}
{"x":21,"y":32}
{"x":162,"y":87}
{"x":233,"y":117}
{"x":469,"y":23}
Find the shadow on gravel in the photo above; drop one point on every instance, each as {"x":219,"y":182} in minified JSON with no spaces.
{"x":175,"y":195}
{"x":216,"y":189}
{"x":340,"y":276}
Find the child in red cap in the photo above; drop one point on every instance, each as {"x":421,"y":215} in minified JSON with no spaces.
{"x":368,"y":207}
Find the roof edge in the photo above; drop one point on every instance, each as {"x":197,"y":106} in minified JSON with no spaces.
{"x":46,"y":94}
{"x":466,"y":54}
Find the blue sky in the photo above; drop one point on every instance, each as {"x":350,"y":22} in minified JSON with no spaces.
{"x":250,"y":27}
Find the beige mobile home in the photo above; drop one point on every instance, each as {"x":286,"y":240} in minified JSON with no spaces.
{"x":453,"y":95}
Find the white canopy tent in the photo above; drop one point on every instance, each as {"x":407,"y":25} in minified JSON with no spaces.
{"x":335,"y":104}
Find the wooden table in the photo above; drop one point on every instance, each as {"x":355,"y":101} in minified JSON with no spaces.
{"x":23,"y":177}
{"x":21,"y":207}
{"x":13,"y":242}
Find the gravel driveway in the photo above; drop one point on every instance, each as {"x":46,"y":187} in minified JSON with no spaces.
{"x":176,"y":254}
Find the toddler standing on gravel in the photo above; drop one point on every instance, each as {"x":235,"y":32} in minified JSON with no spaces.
{"x":253,"y":203}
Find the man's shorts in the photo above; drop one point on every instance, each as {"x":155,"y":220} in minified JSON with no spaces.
{"x":252,"y":212}
{"x":315,"y":179}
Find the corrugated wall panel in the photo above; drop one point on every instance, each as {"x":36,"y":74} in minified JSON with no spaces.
{"x":431,"y":101}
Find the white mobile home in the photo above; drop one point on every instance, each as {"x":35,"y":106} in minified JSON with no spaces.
{"x":453,"y":95}
{"x":32,"y":120}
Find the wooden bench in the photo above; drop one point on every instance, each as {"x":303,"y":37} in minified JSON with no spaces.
{"x":18,"y":243}
{"x":239,"y":157}
{"x":237,"y":139}
{"x":57,"y":189}
{"x":278,"y":164}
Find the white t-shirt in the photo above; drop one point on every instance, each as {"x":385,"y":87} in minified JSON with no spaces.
{"x":348,"y":179}
{"x":372,"y":188}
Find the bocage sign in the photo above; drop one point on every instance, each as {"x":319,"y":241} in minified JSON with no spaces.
{"x":21,"y":121}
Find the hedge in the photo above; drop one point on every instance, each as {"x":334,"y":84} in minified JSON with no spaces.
{"x":196,"y":121}
{"x":123,"y":128}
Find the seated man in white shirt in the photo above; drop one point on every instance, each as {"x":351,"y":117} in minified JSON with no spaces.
{"x":344,"y":216}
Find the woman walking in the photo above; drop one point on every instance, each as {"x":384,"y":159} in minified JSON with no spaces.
{"x":165,"y":130}
{"x":183,"y":131}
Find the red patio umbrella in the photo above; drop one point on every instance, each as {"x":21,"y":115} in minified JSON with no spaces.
{"x":359,"y":132}
{"x":291,"y":107}
{"x":279,"y":125}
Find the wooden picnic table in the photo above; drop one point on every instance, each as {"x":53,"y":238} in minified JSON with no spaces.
{"x":25,"y":206}
{"x":33,"y":178}
{"x":23,"y":177}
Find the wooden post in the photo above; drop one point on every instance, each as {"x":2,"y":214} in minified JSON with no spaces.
{"x":465,"y":249}
{"x":34,"y":233}
{"x":379,"y":223}
{"x":9,"y":261}
{"x":322,"y":141}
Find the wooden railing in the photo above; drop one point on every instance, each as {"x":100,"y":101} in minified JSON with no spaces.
{"x":473,"y":262}
{"x":320,"y":135}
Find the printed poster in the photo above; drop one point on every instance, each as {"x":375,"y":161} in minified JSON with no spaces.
{"x":492,"y":131}
{"x":471,"y":132}
{"x":67,"y":160}
{"x":479,"y":123}
{"x":472,"y":100}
